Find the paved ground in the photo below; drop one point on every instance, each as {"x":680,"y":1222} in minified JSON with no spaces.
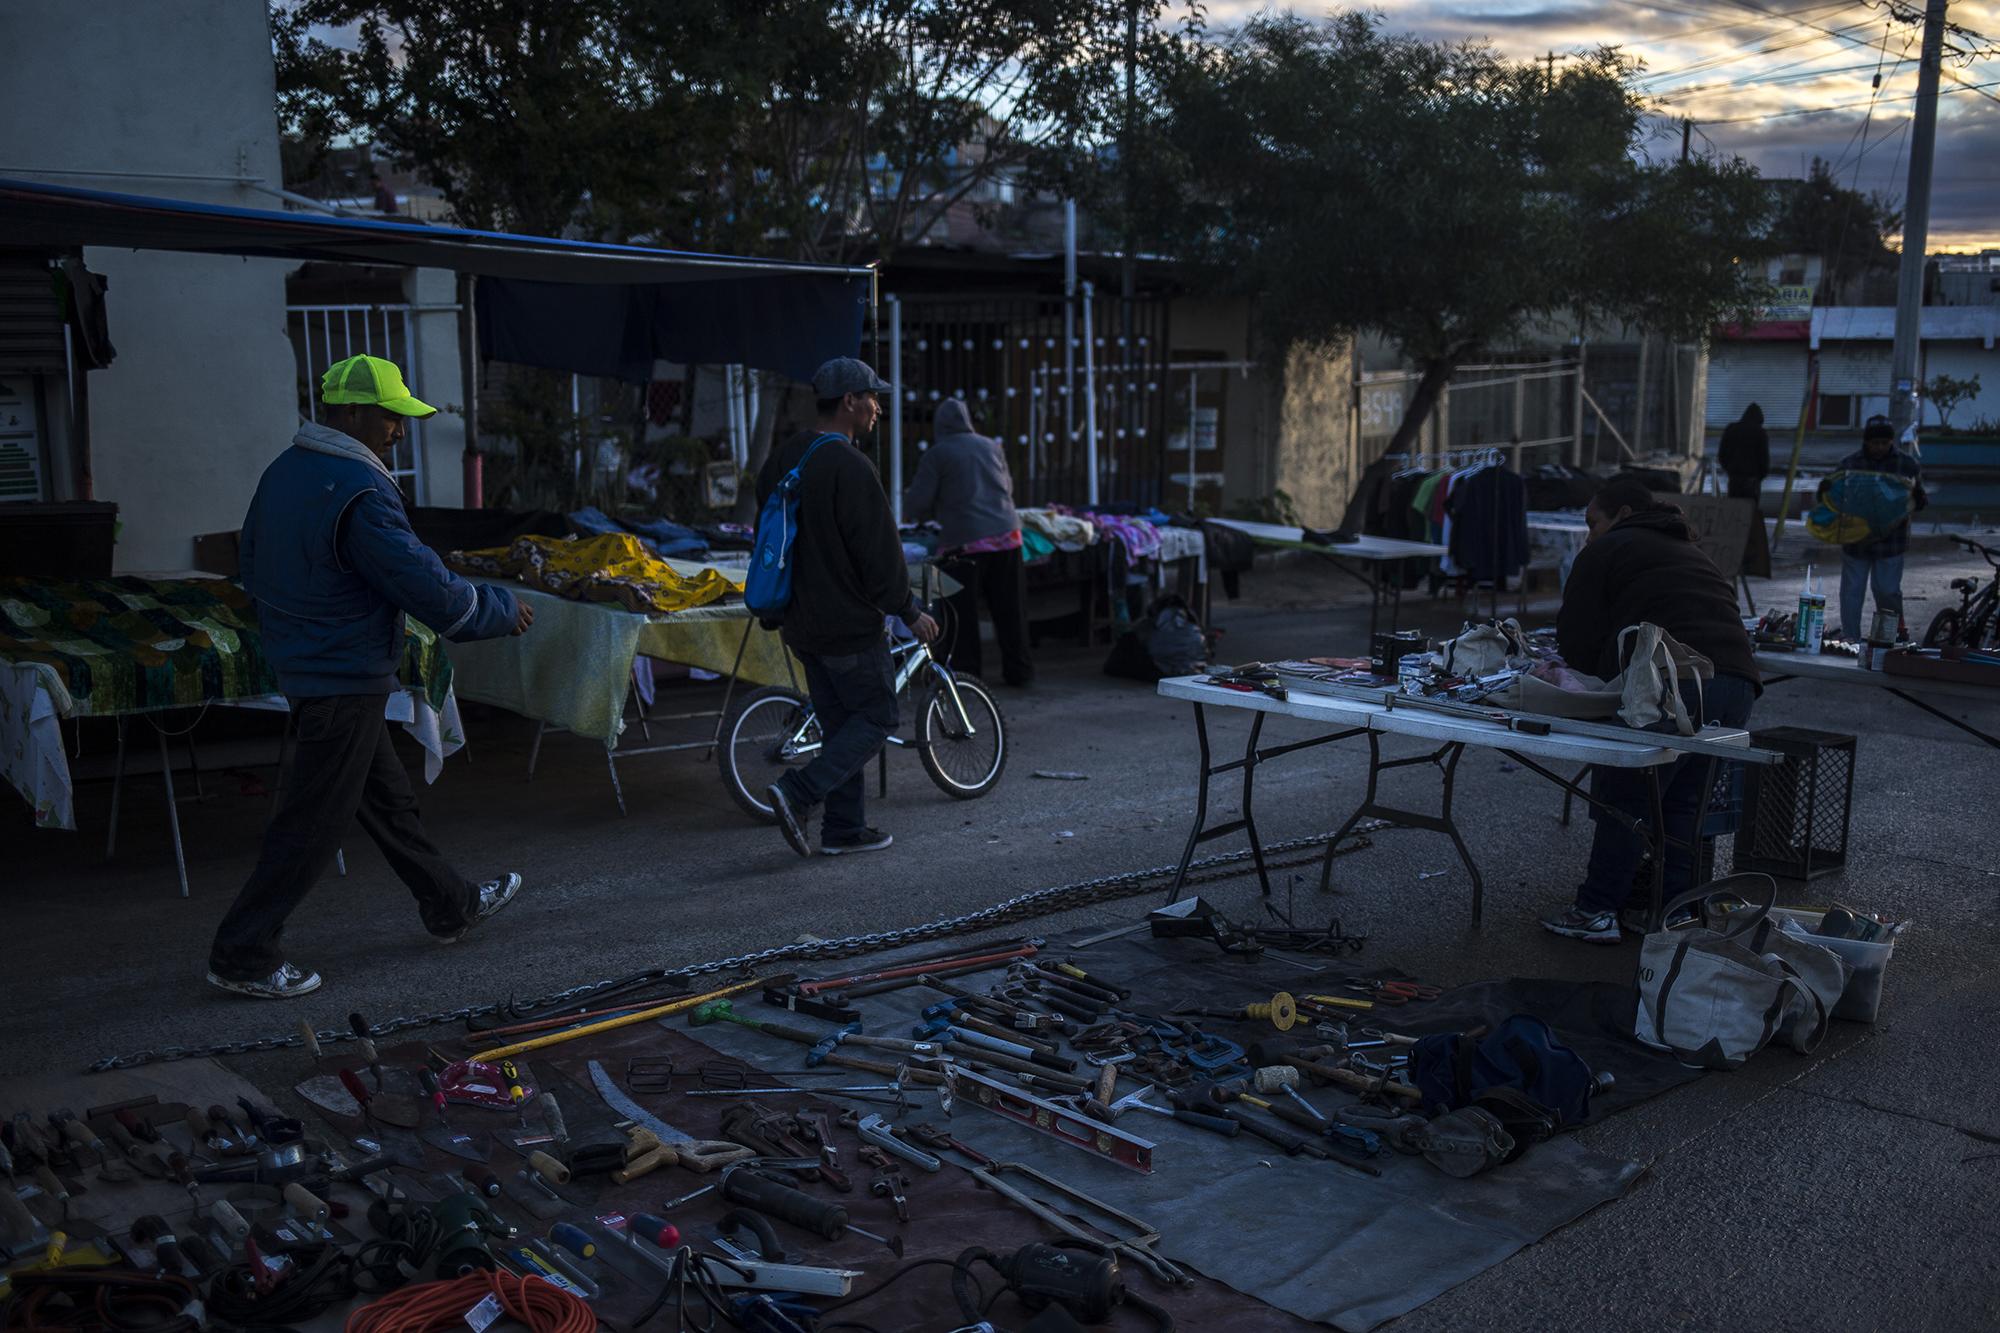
{"x":1852,"y":1188}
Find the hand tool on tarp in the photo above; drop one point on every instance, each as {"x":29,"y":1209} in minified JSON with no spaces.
{"x":1315,"y":1126}
{"x":1010,"y":1013}
{"x":642,"y":990}
{"x":441,"y":1133}
{"x":998,"y":1052}
{"x":624,"y":1020}
{"x":954,"y":1013}
{"x":1327,"y":1073}
{"x":1391,"y":992}
{"x":1047,"y":1117}
{"x":956,"y":961}
{"x":1137,"y":1245}
{"x":768,"y":1133}
{"x":1281,"y":1010}
{"x":693,"y":1153}
{"x":720,"y":1011}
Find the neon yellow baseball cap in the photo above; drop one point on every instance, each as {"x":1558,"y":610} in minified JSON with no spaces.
{"x":370,"y":379}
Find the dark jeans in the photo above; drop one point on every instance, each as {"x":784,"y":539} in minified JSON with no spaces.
{"x":854,"y":698}
{"x":1615,"y":851}
{"x":343,"y":767}
{"x":1001,"y":579}
{"x":1747,"y":488}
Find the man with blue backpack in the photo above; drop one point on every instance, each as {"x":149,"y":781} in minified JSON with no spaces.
{"x":827,"y":568}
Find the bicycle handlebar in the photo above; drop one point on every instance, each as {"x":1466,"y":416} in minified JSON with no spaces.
{"x":1992,"y":555}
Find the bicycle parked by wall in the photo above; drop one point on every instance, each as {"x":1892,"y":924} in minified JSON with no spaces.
{"x":1975,"y":621}
{"x":960,"y":735}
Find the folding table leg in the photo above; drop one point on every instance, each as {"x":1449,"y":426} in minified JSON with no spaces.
{"x":611,"y":762}
{"x":173,"y":811}
{"x":117,"y":790}
{"x":1446,"y":759}
{"x":1246,"y":823}
{"x":535,"y":750}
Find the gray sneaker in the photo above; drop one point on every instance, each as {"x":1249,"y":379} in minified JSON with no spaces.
{"x":788,"y":818}
{"x":287,"y":983}
{"x":1574,"y":923}
{"x":494,"y":894}
{"x":867,"y":840}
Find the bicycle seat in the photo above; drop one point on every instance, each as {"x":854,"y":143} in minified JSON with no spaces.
{"x":1960,"y":585}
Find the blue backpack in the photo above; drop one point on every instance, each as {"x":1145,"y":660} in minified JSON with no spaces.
{"x":1519,"y":1059}
{"x":767,"y":589}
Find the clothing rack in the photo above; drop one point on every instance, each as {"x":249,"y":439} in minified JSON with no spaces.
{"x":1482,"y":456}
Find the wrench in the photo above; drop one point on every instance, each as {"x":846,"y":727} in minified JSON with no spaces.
{"x":874,"y":1129}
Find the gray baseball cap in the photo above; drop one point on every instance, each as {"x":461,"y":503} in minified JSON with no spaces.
{"x":844,"y":375}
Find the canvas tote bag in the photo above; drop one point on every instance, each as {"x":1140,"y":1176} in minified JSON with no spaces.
{"x":1715,"y":998}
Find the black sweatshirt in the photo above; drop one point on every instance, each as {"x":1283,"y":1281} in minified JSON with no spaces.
{"x":848,"y":571}
{"x":1647,"y":568}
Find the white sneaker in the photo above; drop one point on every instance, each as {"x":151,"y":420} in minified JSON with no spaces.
{"x":494,"y":894}
{"x":287,"y":983}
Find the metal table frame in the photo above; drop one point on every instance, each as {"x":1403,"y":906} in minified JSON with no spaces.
{"x":1781,"y":667}
{"x":1653,"y":754}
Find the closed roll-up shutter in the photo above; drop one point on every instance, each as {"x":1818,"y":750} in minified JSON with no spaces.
{"x":1858,"y":368}
{"x":31,"y":319}
{"x":1771,"y":375}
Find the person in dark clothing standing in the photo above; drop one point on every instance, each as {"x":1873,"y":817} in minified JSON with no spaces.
{"x":1877,"y":562}
{"x":963,"y":481}
{"x":847,"y":574}
{"x":329,"y":558}
{"x":1641,"y":565}
{"x":1745,"y":455}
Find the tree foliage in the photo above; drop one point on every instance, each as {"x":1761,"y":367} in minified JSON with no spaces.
{"x":1355,"y":179}
{"x":817,"y":129}
{"x":1946,"y":392}
{"x":1847,"y":229}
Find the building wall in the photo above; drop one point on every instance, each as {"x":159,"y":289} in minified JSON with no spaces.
{"x":201,"y":396}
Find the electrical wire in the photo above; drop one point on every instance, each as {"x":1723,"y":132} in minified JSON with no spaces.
{"x":321,"y":1278}
{"x":431,"y":1307}
{"x":94,"y":1300}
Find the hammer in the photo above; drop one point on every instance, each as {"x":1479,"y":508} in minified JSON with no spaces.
{"x":1004,"y":1054}
{"x":720,"y":1011}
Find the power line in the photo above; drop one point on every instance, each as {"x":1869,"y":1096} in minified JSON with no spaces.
{"x":1823,"y":110}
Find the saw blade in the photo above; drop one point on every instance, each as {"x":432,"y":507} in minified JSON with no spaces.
{"x":616,"y":1098}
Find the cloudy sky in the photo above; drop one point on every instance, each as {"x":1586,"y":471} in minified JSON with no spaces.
{"x":1773,"y":81}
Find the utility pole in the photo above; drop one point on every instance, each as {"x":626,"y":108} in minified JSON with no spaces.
{"x":1687,"y":129}
{"x":1916,"y":227}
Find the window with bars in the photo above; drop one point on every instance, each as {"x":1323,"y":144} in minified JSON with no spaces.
{"x":324,"y":334}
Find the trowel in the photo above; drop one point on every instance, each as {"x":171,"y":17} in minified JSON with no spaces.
{"x":440,"y":1134}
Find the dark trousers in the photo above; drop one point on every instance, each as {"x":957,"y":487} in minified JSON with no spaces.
{"x":1748,"y":488}
{"x":344,"y":767}
{"x":1615,"y":851}
{"x":854,"y":698}
{"x":1000,"y":578}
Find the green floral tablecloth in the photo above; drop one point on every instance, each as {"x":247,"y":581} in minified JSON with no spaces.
{"x":122,"y":646}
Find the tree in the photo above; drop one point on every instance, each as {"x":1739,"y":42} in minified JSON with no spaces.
{"x":1448,"y":198}
{"x":1847,"y":229}
{"x":1945,"y":393}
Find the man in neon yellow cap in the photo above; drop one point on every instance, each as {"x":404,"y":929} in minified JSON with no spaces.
{"x":328,"y":555}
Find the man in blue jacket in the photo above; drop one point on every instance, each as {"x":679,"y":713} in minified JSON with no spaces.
{"x":329,"y":558}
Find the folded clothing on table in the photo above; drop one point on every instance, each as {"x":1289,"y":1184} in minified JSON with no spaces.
{"x":612,"y":567}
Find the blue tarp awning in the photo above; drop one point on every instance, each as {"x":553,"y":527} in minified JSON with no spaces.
{"x":584,"y":306}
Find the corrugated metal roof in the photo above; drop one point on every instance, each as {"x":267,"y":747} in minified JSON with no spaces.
{"x":1849,"y":323}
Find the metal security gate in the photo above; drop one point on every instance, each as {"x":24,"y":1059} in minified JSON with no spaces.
{"x":1005,"y":356}
{"x":1530,"y":408}
{"x":324,"y":334}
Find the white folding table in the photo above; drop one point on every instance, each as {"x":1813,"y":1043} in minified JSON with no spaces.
{"x":1372,"y":554}
{"x":1780,"y":667}
{"x":1371,"y":717}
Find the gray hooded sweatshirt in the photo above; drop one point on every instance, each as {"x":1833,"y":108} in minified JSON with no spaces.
{"x":962,"y":482}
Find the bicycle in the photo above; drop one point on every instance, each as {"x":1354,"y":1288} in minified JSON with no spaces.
{"x":961,"y":736}
{"x":1975,"y":621}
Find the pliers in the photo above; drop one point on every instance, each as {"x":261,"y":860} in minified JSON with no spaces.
{"x":1251,"y":678}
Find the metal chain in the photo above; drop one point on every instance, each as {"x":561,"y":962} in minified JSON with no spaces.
{"x":1034,"y":903}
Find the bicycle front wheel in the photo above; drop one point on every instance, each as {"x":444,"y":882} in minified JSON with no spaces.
{"x":772,"y":730}
{"x":965,"y":763}
{"x":1944,"y":629}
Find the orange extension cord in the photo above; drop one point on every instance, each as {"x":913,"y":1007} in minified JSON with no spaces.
{"x":432,"y":1306}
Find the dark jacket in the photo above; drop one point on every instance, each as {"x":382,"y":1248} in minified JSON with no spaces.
{"x":962,"y":481}
{"x":328,"y":555}
{"x":1896,"y":541}
{"x":1647,"y":568}
{"x":848,"y":570}
{"x":1745,"y":450}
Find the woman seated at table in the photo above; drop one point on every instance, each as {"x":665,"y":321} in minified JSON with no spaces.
{"x":1640,"y":564}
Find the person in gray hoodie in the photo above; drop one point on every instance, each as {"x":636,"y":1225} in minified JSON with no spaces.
{"x":962,"y":481}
